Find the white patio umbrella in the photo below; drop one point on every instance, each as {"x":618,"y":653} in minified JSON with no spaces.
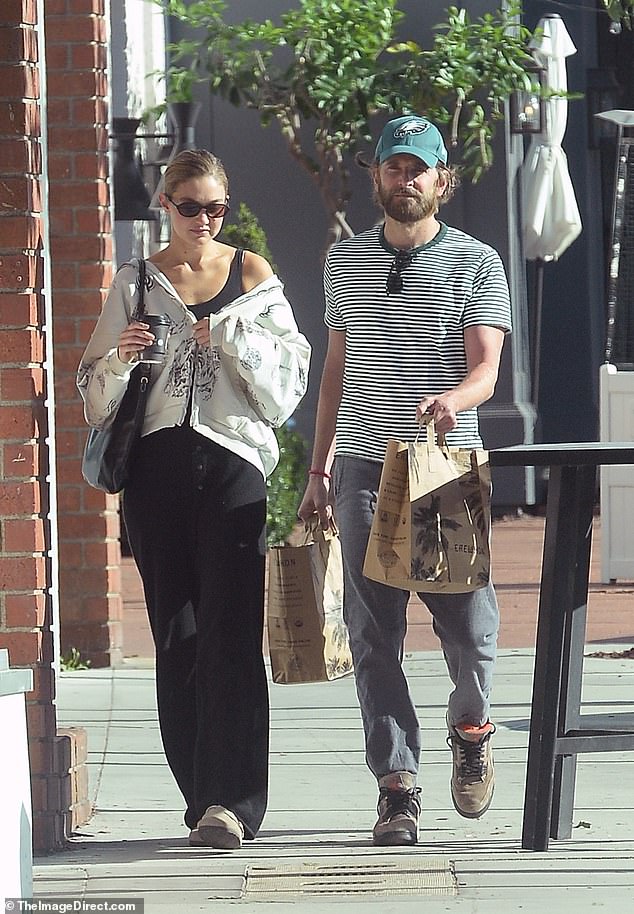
{"x":551,"y":219}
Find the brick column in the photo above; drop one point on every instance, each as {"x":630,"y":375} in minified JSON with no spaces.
{"x":81,"y":247}
{"x":25,"y":578}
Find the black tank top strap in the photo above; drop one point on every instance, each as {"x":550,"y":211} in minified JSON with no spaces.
{"x":231,"y":290}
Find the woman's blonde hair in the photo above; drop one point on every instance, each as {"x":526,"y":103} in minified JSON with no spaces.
{"x":194,"y":163}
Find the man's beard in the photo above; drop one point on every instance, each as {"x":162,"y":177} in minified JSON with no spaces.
{"x":409,"y":205}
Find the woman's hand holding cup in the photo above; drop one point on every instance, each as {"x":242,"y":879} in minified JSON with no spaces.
{"x":133,"y":340}
{"x":138,"y":340}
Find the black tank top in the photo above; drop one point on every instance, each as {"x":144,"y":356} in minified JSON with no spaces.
{"x":231,"y":289}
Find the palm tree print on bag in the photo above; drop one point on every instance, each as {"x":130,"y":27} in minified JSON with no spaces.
{"x":474,"y":504}
{"x":339,"y":659}
{"x":338,"y":667}
{"x":430,"y":528}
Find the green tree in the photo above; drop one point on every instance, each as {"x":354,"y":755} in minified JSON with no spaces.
{"x":465,"y":78}
{"x":331,"y":64}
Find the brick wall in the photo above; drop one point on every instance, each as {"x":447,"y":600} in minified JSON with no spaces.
{"x":81,"y":251}
{"x":25,"y":611}
{"x":81,"y":270}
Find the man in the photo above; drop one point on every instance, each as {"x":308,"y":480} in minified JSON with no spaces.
{"x":417,"y":313}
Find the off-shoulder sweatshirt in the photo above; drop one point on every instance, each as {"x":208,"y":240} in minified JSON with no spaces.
{"x":248,"y":381}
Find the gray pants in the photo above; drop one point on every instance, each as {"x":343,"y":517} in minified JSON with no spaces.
{"x":376,"y":615}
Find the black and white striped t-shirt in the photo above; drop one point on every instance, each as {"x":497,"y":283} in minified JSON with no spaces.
{"x":406,"y":345}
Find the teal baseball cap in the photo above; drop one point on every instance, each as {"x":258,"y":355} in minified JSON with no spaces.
{"x":414,"y":136}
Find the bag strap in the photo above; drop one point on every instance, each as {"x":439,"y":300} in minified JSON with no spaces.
{"x":432,"y":434}
{"x":435,"y":443}
{"x":313,"y":531}
{"x":139,"y":311}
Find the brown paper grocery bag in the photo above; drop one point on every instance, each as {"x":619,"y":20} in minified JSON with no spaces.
{"x":432,"y":526}
{"x":308,"y":639}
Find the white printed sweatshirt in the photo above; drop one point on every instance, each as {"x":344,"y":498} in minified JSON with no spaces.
{"x":248,"y":381}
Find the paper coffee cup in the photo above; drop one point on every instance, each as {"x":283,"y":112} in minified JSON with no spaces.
{"x":160,"y":325}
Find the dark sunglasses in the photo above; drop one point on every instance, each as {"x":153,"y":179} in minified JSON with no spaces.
{"x":189,"y":208}
{"x":394,"y":278}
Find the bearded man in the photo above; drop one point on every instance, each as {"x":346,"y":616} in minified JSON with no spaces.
{"x":416,"y":312}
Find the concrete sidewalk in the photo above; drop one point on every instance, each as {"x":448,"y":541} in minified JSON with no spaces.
{"x":314,"y":849}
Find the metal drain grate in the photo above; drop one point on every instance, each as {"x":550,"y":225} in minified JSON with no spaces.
{"x":402,"y":876}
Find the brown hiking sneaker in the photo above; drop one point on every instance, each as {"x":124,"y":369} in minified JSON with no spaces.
{"x":473,"y":777}
{"x":398,"y":808}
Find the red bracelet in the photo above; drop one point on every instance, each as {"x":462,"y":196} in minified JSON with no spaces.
{"x":319,"y":473}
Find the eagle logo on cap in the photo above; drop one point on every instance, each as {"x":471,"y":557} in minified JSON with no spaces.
{"x":410,"y":128}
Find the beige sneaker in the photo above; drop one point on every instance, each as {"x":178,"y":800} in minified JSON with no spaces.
{"x":473,"y":777}
{"x":219,"y":827}
{"x":194,"y":838}
{"x":398,"y":808}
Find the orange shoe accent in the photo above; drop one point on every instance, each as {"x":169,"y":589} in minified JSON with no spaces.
{"x":472,"y":732}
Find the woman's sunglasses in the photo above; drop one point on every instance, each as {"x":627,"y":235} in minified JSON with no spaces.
{"x":189,"y":208}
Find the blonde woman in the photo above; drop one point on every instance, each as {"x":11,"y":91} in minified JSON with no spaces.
{"x":195,"y":507}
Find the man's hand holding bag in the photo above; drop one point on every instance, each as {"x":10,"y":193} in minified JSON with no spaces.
{"x":432,"y":525}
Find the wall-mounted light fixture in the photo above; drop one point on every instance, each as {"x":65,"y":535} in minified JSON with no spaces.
{"x":131,"y":196}
{"x":182,"y":118}
{"x":526,"y":106}
{"x":132,"y":199}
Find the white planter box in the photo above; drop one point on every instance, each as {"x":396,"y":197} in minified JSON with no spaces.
{"x":16,"y":860}
{"x":617,"y":482}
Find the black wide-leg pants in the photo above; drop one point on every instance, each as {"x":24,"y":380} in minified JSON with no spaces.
{"x":195,"y":514}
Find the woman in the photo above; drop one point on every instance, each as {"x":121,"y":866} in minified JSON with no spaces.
{"x":195,"y":507}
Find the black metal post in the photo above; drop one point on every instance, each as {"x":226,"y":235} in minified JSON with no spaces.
{"x":557,"y":586}
{"x":572,"y":658}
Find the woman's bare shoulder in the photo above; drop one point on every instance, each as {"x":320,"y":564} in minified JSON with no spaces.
{"x":255,"y":270}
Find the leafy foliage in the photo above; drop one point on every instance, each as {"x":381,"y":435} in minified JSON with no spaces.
{"x":246,"y":232}
{"x":620,"y":11}
{"x":331,"y":64}
{"x":465,"y":78}
{"x":73,"y":661}
{"x":285,"y":485}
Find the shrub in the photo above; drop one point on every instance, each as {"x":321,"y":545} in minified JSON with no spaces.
{"x":285,"y":485}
